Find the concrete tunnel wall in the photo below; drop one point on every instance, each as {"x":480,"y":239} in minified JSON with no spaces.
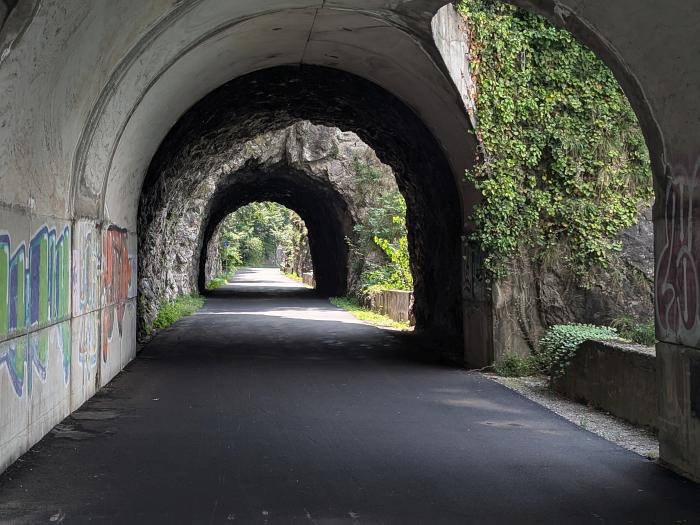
{"x":85,"y":105}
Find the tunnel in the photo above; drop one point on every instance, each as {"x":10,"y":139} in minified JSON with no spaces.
{"x":323,"y":211}
{"x":273,"y":99}
{"x":110,"y":110}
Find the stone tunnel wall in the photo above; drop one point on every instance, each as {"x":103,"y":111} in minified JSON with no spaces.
{"x":290,"y":166}
{"x":539,"y":292}
{"x":240,"y":111}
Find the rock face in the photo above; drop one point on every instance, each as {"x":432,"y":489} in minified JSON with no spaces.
{"x":311,"y":169}
{"x":536,"y":295}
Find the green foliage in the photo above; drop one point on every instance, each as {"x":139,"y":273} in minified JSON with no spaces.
{"x":385,"y":227}
{"x":559,"y":343}
{"x":221,"y":280}
{"x":513,"y":365}
{"x":294,"y":277}
{"x":172,"y":311}
{"x":632,"y":330}
{"x":251,"y":235}
{"x":564,"y":160}
{"x":367,"y":315}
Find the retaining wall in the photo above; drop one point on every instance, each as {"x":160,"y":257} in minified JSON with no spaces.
{"x":308,"y":279}
{"x":395,"y":304}
{"x":616,"y":377}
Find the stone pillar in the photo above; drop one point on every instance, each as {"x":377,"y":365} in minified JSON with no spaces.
{"x":677,"y":246}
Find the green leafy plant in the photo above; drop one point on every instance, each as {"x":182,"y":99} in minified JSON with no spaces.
{"x":172,"y":311}
{"x":384,"y":227}
{"x":635,"y":331}
{"x":560,"y":342}
{"x":513,"y":365}
{"x":251,"y":235}
{"x":563,"y":159}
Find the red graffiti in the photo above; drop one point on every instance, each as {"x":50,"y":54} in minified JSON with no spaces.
{"x":677,"y":285}
{"x":116,"y":278}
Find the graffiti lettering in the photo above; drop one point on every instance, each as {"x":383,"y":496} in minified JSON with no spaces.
{"x":677,"y":285}
{"x":34,"y":293}
{"x":116,"y":278}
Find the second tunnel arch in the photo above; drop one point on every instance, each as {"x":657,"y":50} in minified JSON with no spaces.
{"x":270,"y":100}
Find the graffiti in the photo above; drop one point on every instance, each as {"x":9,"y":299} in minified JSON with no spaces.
{"x":13,"y":356}
{"x":34,"y":291}
{"x":116,"y":280}
{"x":87,"y":334}
{"x":677,"y":285}
{"x":22,"y":354}
{"x":86,"y":263}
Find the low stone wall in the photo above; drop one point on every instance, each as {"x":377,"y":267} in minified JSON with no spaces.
{"x":395,"y":304}
{"x":616,"y":377}
{"x":308,"y":279}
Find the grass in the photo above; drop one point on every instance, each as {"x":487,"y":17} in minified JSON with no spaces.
{"x":632,"y":330}
{"x":367,"y":315}
{"x":221,"y":280}
{"x":513,"y":365}
{"x":294,"y":277}
{"x":172,"y":311}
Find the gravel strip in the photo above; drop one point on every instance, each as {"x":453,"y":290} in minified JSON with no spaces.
{"x":634,"y":438}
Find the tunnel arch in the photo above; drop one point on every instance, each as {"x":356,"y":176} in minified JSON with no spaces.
{"x":323,"y":210}
{"x":88,"y":105}
{"x":275,"y":98}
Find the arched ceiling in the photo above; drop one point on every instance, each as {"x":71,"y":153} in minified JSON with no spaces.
{"x":211,"y":134}
{"x":111,"y":77}
{"x":91,"y":87}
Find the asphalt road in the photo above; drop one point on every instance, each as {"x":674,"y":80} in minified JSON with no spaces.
{"x":272,"y":406}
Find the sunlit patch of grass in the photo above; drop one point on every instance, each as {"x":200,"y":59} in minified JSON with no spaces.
{"x":221,"y":280}
{"x":367,"y":315}
{"x":294,"y":277}
{"x":173,"y":311}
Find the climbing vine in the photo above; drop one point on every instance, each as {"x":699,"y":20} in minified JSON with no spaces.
{"x":383,"y":227}
{"x":564,"y":160}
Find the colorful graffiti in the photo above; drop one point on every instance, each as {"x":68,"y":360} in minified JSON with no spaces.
{"x":677,"y":285}
{"x":34,"y":292}
{"x":86,"y":264}
{"x":87,"y":333}
{"x":116,"y":280}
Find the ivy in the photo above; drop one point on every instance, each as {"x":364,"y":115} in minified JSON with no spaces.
{"x":560,"y":342}
{"x":384,"y":226}
{"x":564,"y":161}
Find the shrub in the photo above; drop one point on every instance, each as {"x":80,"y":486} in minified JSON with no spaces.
{"x":172,"y":311}
{"x":631,"y":329}
{"x":216,"y":282}
{"x":513,"y":365}
{"x":559,"y":344}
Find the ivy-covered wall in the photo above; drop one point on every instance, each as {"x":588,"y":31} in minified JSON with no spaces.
{"x":564,"y":176}
{"x":563,"y":158}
